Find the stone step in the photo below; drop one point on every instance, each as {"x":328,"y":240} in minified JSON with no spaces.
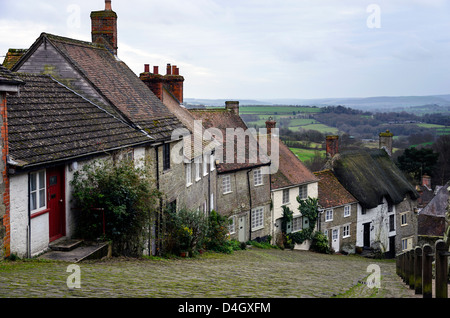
{"x":65,"y":244}
{"x":85,"y":251}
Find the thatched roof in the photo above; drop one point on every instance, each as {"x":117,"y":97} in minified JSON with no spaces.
{"x":371,"y":175}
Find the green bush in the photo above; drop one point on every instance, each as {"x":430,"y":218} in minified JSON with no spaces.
{"x":320,"y":243}
{"x":118,"y":197}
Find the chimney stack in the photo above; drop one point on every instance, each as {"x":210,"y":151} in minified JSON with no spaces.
{"x":270,"y":124}
{"x":104,"y":26}
{"x":386,"y":141}
{"x":146,"y":68}
{"x":426,"y":181}
{"x":332,"y":146}
{"x":172,"y":81}
{"x":232,"y":106}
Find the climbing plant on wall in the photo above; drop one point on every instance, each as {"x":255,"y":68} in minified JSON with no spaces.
{"x":309,"y":210}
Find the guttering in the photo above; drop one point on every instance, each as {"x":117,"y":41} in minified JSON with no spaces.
{"x":250,"y":203}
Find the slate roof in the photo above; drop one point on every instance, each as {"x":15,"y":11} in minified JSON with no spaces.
{"x":116,"y":83}
{"x":370,"y":175}
{"x":331,"y":191}
{"x":48,"y":122}
{"x":8,"y":77}
{"x":222,"y":119}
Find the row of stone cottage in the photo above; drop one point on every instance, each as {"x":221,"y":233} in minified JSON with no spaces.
{"x":67,"y":102}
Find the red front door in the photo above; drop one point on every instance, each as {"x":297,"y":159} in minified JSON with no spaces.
{"x":55,"y":202}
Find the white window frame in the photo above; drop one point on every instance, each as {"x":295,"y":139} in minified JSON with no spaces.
{"x":403,"y":219}
{"x":226,"y":184}
{"x":328,"y":215}
{"x":257,"y":177}
{"x":232,"y":225}
{"x":285,"y":196}
{"x":188,"y":174}
{"x":212,"y":164}
{"x":197,"y":170}
{"x":205,"y":165}
{"x":303,"y":192}
{"x":211,"y":202}
{"x":39,"y":192}
{"x":257,"y":218}
{"x":347,"y":211}
{"x":346,"y":230}
{"x":297,"y":223}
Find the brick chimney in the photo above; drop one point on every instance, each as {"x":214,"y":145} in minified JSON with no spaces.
{"x":173,"y":81}
{"x":426,"y":181}
{"x":154,"y":80}
{"x":232,"y":106}
{"x":104,"y":26}
{"x":332,"y":146}
{"x":386,"y":141}
{"x":270,"y":124}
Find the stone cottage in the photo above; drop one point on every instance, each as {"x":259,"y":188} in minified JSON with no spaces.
{"x":387,"y":218}
{"x":243,"y":182}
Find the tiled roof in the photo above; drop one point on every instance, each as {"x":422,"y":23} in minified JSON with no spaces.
{"x":438,"y":205}
{"x":12,"y":57}
{"x":331,"y":191}
{"x":119,"y":85}
{"x":48,"y":122}
{"x":222,"y":119}
{"x":291,"y":171}
{"x":371,"y":175}
{"x":8,"y":77}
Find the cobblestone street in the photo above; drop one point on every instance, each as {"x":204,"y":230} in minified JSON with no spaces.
{"x":251,"y":273}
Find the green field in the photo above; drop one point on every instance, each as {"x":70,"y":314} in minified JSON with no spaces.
{"x":306,"y":154}
{"x":277,"y":110}
{"x":319,"y":127}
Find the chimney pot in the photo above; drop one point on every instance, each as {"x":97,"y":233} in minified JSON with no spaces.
{"x":168,"y":70}
{"x":155,"y":69}
{"x":146,"y":68}
{"x":108,"y":6}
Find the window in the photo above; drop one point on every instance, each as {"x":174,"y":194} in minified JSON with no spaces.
{"x":403,"y":219}
{"x":303,"y":192}
{"x":166,"y":156}
{"x":257,"y":218}
{"x":347,"y":210}
{"x":346,"y":230}
{"x":211,"y":202}
{"x":231,"y":226}
{"x":211,"y":162}
{"x":197,"y":170}
{"x":363,"y":210}
{"x":328,"y":215}
{"x":285,"y":196}
{"x":226,"y":184}
{"x":205,"y":165}
{"x":257,"y":177}
{"x":296,"y":224}
{"x":392,"y":222}
{"x":188,"y":174}
{"x":37,"y":190}
{"x":407,"y":243}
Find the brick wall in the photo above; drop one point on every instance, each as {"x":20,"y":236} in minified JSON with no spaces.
{"x":4,"y":183}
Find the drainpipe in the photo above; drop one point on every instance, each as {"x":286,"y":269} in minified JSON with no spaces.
{"x":157,"y":229}
{"x":250,"y":202}
{"x":29,"y":221}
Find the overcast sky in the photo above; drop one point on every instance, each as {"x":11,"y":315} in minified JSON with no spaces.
{"x":262,"y":49}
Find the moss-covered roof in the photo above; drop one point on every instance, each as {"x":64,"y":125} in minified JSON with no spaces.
{"x":371,"y":175}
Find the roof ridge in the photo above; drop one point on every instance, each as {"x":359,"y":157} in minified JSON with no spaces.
{"x":68,"y":40}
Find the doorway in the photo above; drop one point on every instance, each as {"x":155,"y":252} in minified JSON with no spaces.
{"x":56,"y":202}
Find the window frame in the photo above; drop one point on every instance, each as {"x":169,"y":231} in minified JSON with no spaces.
{"x":224,"y":178}
{"x":38,"y":191}
{"x":346,"y":231}
{"x":347,"y":211}
{"x":257,"y":178}
{"x":166,"y":156}
{"x":257,"y":218}
{"x":283,"y":199}
{"x":303,"y":192}
{"x":297,"y":224}
{"x":188,"y":171}
{"x":232,"y":225}
{"x":328,"y":212}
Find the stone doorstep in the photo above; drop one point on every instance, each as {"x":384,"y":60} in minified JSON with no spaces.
{"x":65,"y":244}
{"x":80,"y":253}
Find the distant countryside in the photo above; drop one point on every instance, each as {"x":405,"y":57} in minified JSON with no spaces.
{"x":304,"y":129}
